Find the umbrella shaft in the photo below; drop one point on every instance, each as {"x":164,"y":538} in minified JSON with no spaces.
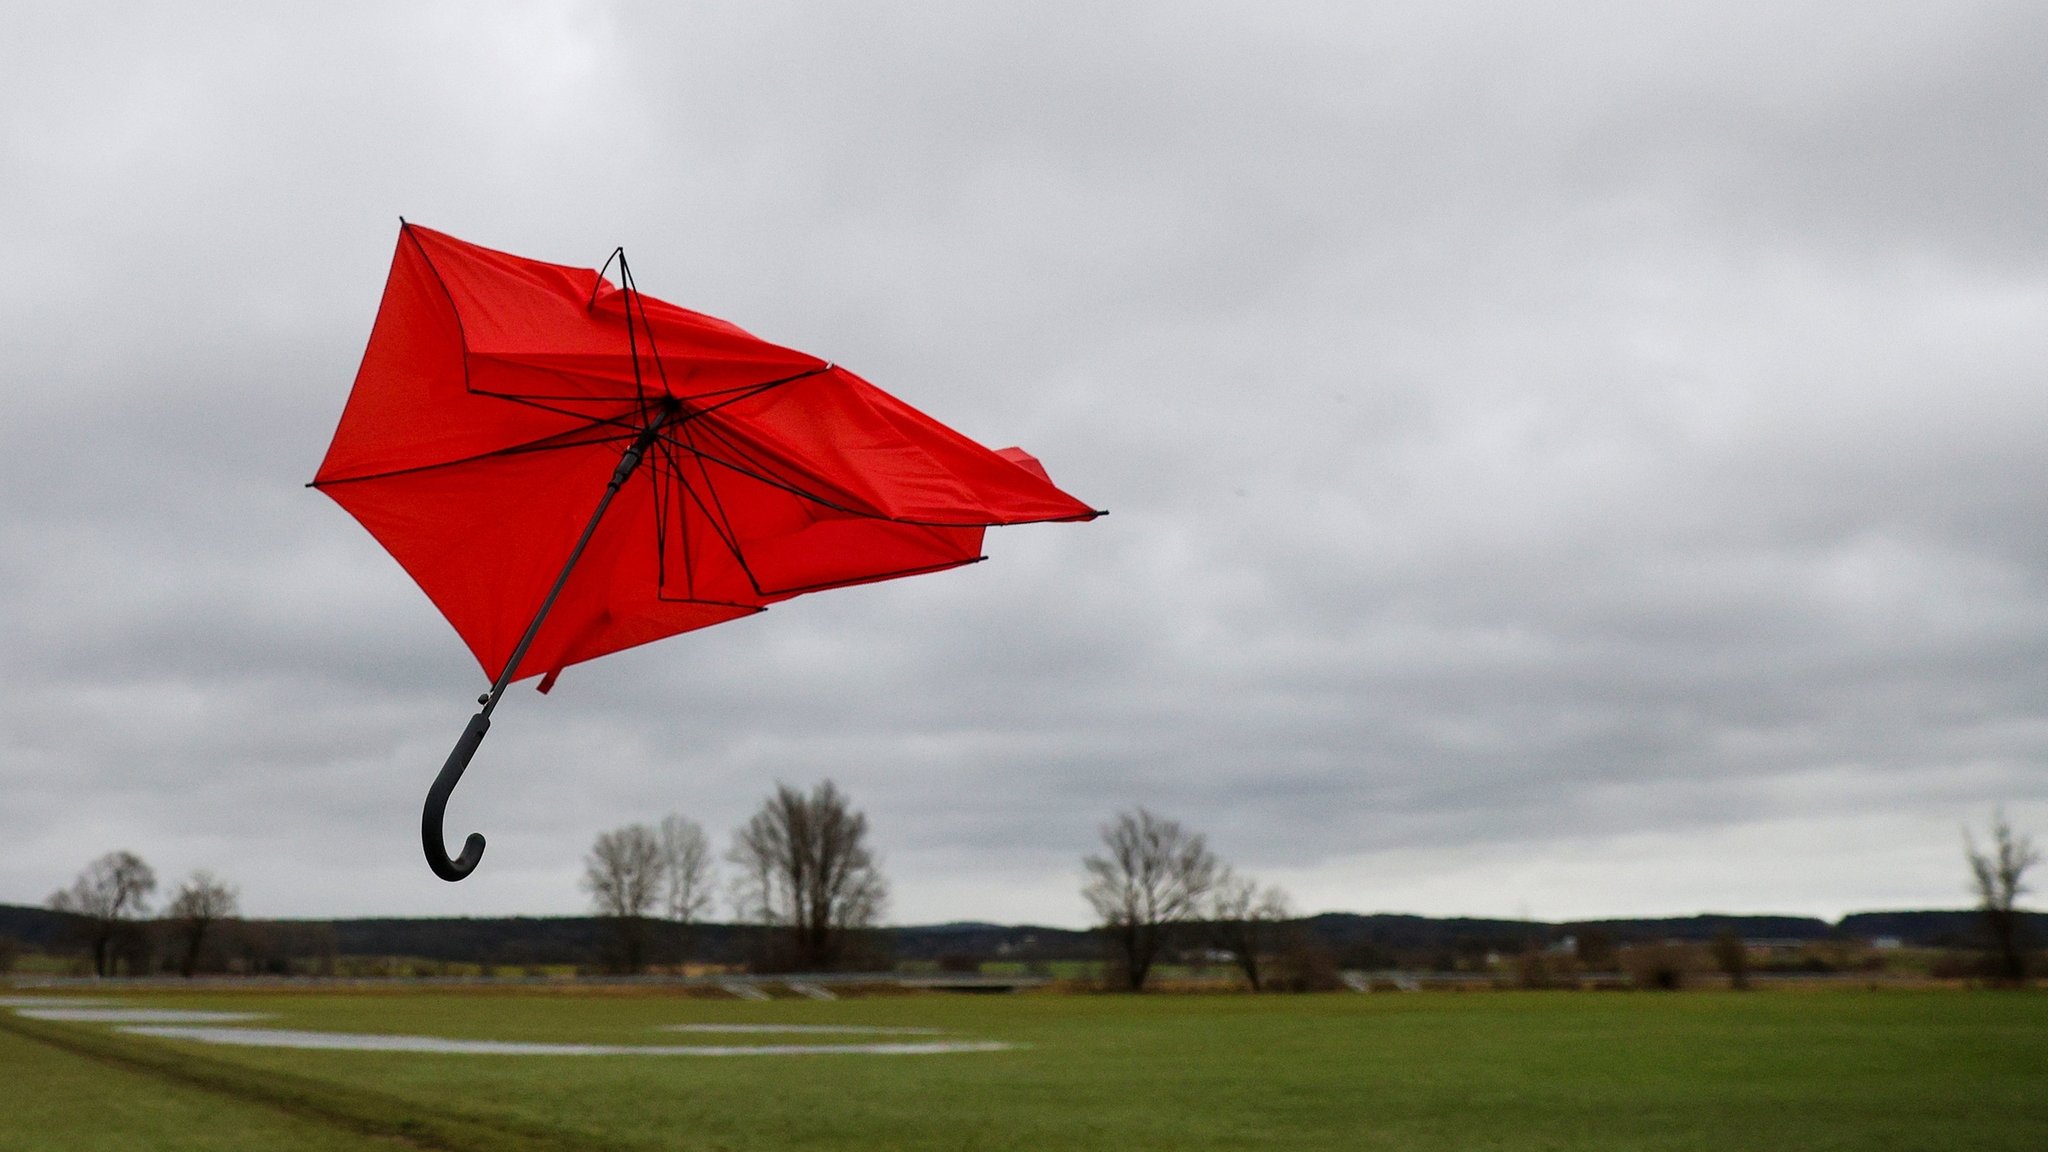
{"x":627,"y":463}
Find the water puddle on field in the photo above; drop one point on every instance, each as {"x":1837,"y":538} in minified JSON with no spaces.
{"x":104,"y":1015}
{"x":372,"y":1042}
{"x":212,"y":1028}
{"x":805,"y":1029}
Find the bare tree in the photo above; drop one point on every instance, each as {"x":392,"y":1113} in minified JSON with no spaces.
{"x":196,"y":907}
{"x":805,"y":868}
{"x":1155,"y":876}
{"x":2000,"y":876}
{"x":622,"y":873}
{"x":1731,"y":956}
{"x":109,"y":895}
{"x":687,"y":874}
{"x":1243,"y":917}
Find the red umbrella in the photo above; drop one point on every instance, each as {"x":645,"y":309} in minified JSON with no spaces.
{"x":494,"y":443}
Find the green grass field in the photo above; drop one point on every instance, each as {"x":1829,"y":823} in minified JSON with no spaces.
{"x":1707,"y":1070}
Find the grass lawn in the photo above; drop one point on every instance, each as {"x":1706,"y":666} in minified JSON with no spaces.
{"x":1509,"y":1071}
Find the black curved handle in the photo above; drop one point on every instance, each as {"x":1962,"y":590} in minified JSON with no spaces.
{"x":437,"y":808}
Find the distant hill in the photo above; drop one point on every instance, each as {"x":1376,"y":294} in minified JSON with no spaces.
{"x":36,"y":927}
{"x":1932,"y":929}
{"x":1386,"y":940}
{"x":1361,"y":940}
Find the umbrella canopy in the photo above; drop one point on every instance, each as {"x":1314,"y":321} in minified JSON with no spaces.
{"x":494,"y":440}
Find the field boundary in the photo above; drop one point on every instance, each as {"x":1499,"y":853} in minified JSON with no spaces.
{"x":352,"y":1109}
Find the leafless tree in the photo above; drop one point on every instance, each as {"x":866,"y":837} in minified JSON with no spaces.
{"x":1243,"y":917}
{"x":109,"y":895}
{"x":199,"y":904}
{"x":623,"y":875}
{"x":1154,"y":877}
{"x":805,"y":868}
{"x":687,"y":874}
{"x":1731,"y":956}
{"x":2000,"y":876}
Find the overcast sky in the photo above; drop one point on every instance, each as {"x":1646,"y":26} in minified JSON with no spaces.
{"x":1565,"y":460}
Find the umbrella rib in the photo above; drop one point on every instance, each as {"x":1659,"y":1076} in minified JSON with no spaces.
{"x":716,"y":516}
{"x":731,"y":541}
{"x":792,"y":489}
{"x":682,"y":509}
{"x":544,"y":443}
{"x":536,"y":398}
{"x":742,"y":391}
{"x":660,"y":506}
{"x":758,"y":472}
{"x":549,"y":396}
{"x":541,"y":445}
{"x":749,"y":391}
{"x":726,"y":395}
{"x":617,"y":253}
{"x":461,"y":331}
{"x":725,"y":518}
{"x":730,"y":538}
{"x":664,"y":501}
{"x":720,"y":522}
{"x":589,"y":421}
{"x":772,"y":481}
{"x":653,"y":349}
{"x":751,"y":608}
{"x":632,"y":344}
{"x":732,"y":395}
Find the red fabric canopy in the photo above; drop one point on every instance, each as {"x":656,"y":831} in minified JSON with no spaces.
{"x":494,"y":402}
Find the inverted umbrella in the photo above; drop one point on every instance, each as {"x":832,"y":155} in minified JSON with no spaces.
{"x":568,"y":467}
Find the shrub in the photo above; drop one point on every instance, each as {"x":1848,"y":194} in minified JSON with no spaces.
{"x":1538,"y":968}
{"x":1665,"y":967}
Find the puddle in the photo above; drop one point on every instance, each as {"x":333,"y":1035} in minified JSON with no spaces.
{"x":806,"y":1029}
{"x":372,"y":1042}
{"x":136,"y":1015}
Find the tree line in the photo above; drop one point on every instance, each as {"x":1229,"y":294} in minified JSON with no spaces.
{"x":806,"y":876}
{"x":802,"y":872}
{"x":803,"y":876}
{"x":1157,"y":882}
{"x":110,"y":900}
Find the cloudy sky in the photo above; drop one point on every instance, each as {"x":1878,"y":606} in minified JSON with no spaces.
{"x":1566,"y":460}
